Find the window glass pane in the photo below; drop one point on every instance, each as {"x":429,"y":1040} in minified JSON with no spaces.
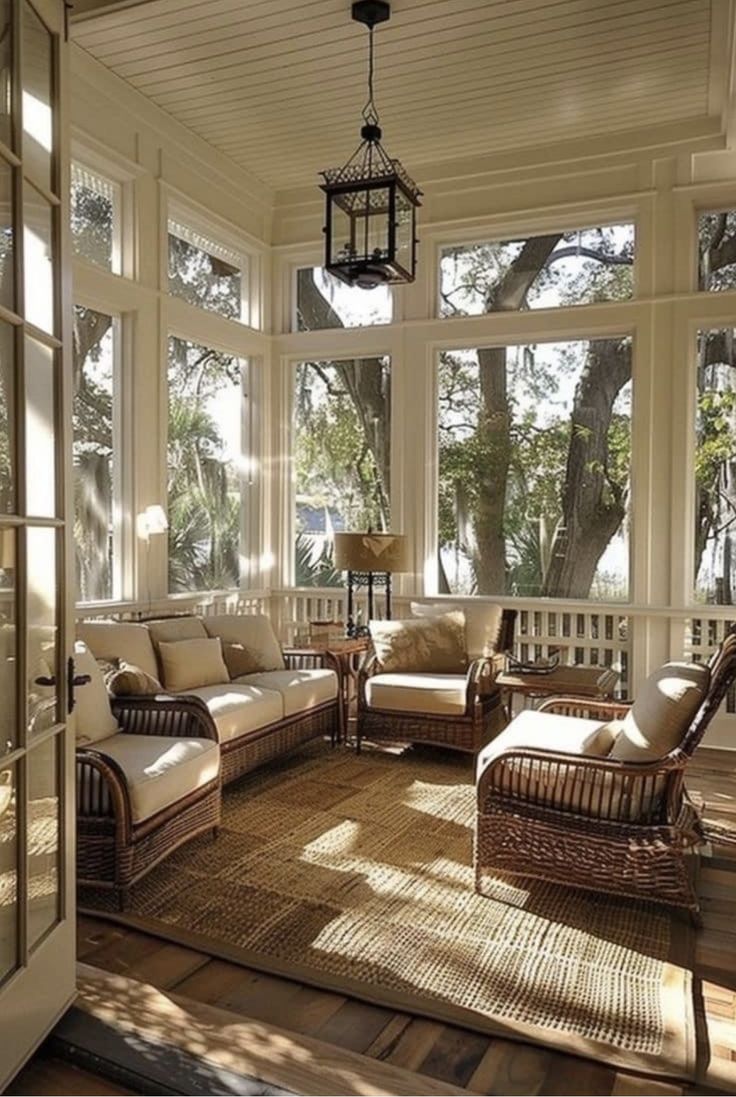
{"x":7,"y":419}
{"x":205,"y":273}
{"x":538,"y":272}
{"x":94,"y":453}
{"x":342,"y":428}
{"x":715,"y":468}
{"x":38,"y":260}
{"x":42,"y":626}
{"x":534,"y":454}
{"x":717,"y":251}
{"x":37,"y":113}
{"x":95,"y":209}
{"x":205,"y":467}
{"x":7,"y":274}
{"x":43,"y":839}
{"x":8,"y":870}
{"x":40,"y":431}
{"x":6,"y":71}
{"x":8,"y":654}
{"x":323,"y":301}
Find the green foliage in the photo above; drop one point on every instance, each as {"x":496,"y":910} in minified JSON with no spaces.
{"x":203,"y":279}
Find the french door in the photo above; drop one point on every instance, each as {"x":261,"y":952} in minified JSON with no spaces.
{"x":36,"y":752}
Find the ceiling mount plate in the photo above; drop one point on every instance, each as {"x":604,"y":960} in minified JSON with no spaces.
{"x":371,"y":12}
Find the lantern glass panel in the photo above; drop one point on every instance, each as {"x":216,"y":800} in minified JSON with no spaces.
{"x":342,"y":240}
{"x":404,"y":231}
{"x":373,"y":225}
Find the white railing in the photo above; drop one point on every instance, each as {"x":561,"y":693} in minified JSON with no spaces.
{"x":203,"y":603}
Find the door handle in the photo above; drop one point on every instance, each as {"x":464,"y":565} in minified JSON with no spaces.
{"x":45,"y":680}
{"x":72,"y":681}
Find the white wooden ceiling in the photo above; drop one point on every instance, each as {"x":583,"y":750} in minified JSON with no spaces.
{"x":278,"y":85}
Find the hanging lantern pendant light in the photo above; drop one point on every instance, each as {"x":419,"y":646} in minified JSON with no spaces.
{"x":370,"y":216}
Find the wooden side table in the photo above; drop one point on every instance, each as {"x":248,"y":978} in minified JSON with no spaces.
{"x":563,"y":681}
{"x":346,"y":654}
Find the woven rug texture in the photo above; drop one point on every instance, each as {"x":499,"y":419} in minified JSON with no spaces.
{"x":355,"y":873}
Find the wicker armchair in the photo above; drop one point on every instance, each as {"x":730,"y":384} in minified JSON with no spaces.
{"x":113,"y":849}
{"x":480,"y":715}
{"x":596,"y":823}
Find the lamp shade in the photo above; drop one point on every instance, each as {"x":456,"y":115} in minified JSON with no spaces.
{"x":371,"y":552}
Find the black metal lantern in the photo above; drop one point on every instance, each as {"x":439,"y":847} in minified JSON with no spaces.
{"x":370,"y":219}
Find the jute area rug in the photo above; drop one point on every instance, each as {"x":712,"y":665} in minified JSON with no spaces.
{"x":354,"y":873}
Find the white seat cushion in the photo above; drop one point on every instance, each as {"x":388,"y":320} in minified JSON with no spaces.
{"x":300,"y":689}
{"x":482,"y":623}
{"x":659,"y":717}
{"x":240,"y":710}
{"x":440,"y":694}
{"x":120,"y":640}
{"x":160,"y":770}
{"x":548,"y":731}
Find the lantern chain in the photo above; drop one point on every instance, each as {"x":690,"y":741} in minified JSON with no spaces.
{"x":370,"y":112}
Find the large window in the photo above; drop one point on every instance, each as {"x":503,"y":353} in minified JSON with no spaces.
{"x":95,"y":218}
{"x":534,"y":451}
{"x":207,"y":457}
{"x":323,"y":301}
{"x":342,"y":423}
{"x":97,"y":504}
{"x":715,"y":468}
{"x":205,"y":273}
{"x":535,"y":272}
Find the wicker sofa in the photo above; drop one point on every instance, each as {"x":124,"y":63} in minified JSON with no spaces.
{"x":254,"y":716}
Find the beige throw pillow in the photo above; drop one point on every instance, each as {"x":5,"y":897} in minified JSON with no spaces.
{"x":432,"y":645}
{"x":94,"y":718}
{"x":662,"y":712}
{"x":192,"y":663}
{"x":251,"y":632}
{"x":482,"y":623}
{"x":128,"y":680}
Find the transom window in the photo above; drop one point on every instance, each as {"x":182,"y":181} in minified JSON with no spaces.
{"x":95,"y":218}
{"x":323,"y":301}
{"x":717,"y":251}
{"x":534,"y":272}
{"x":206,"y":273}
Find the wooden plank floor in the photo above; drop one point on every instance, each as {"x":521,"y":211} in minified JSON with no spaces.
{"x":462,"y":1058}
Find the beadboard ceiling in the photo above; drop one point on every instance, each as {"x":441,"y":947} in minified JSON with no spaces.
{"x":278,"y":85}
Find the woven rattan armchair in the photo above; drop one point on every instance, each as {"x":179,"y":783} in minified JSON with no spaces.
{"x":113,"y":851}
{"x":597,"y":823}
{"x":483,"y":715}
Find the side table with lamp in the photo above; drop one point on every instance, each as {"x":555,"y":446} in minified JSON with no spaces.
{"x":370,"y":559}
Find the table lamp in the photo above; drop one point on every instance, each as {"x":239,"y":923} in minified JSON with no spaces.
{"x":369,"y":559}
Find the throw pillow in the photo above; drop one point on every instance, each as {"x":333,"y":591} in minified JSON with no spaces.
{"x":94,"y":718}
{"x":192,"y":663}
{"x":432,"y":645}
{"x":128,"y":680}
{"x":482,"y":623}
{"x":241,"y":660}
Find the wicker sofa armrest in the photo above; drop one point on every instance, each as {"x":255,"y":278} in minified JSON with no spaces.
{"x":581,"y":784}
{"x":101,"y":789}
{"x":587,"y":708}
{"x":369,"y":666}
{"x":482,"y":674}
{"x":181,"y":716}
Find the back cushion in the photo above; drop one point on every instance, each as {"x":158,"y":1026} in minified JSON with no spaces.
{"x":435,"y":645}
{"x":171,"y":629}
{"x":94,"y":718}
{"x":247,"y":640}
{"x":662,"y":712}
{"x":482,"y":623}
{"x":120,"y":640}
{"x":188,"y":664}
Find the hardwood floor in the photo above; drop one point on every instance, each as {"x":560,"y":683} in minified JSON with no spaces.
{"x":461,"y":1058}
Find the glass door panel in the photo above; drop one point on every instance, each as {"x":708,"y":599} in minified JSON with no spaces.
{"x":7,"y":272}
{"x":8,"y":871}
{"x":42,"y":628}
{"x":38,"y":259}
{"x":43,"y":839}
{"x":7,"y":419}
{"x":40,"y":430}
{"x":6,"y":72}
{"x":38,"y":129}
{"x":8,"y":653}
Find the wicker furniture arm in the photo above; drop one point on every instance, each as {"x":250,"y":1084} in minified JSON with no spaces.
{"x":585,"y":708}
{"x":309,"y":659}
{"x":163,"y":714}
